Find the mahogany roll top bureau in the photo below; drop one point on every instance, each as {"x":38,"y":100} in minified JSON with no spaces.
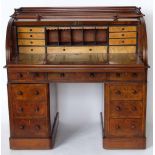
{"x":90,"y":44}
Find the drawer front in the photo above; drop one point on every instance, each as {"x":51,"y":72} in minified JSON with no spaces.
{"x":28,"y":50}
{"x":88,"y":49}
{"x":126,"y":92}
{"x":30,"y":29}
{"x":122,"y":49}
{"x":123,"y":35}
{"x":29,"y":92}
{"x":26,"y":76}
{"x":31,"y":35}
{"x":31,"y":42}
{"x":29,"y":128}
{"x":133,"y":76}
{"x":29,"y":109}
{"x":125,"y":127}
{"x":128,"y":109}
{"x":122,"y":41}
{"x":122,"y":28}
{"x":79,"y":77}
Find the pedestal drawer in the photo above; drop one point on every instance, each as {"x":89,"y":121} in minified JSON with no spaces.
{"x":30,"y":109}
{"x":122,"y":28}
{"x":29,"y":128}
{"x":30,"y":29}
{"x":126,"y":92}
{"x":125,"y":127}
{"x":124,"y":109}
{"x":29,"y":92}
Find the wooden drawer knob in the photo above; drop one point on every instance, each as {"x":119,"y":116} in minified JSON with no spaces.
{"x":134,"y":74}
{"x":19,"y":75}
{"x":35,"y":74}
{"x":20,"y":109}
{"x":31,"y":35}
{"x":37,"y":127}
{"x":118,"y":127}
{"x":133,"y":126}
{"x":122,"y":41}
{"x":31,"y":42}
{"x":134,"y":108}
{"x":20,"y":93}
{"x":36,"y":92}
{"x":118,"y":92}
{"x":90,"y":49}
{"x":123,"y":28}
{"x":22,"y":127}
{"x":92,"y":75}
{"x":31,"y":30}
{"x":37,"y":109}
{"x":31,"y":49}
{"x":118,"y":108}
{"x":118,"y":74}
{"x":62,"y":75}
{"x":122,"y":35}
{"x":134,"y":92}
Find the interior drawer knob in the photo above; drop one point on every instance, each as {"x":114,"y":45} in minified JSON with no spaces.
{"x":122,"y":41}
{"x":118,"y":92}
{"x":20,"y":93}
{"x":31,"y":35}
{"x":92,"y":75}
{"x":31,"y":42}
{"x":118,"y":108}
{"x":31,"y":30}
{"x":37,"y":127}
{"x":62,"y":75}
{"x":36,"y":92}
{"x":123,"y":28}
{"x":122,"y":34}
{"x":22,"y":127}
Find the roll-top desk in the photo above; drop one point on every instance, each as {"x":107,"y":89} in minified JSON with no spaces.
{"x":94,"y":44}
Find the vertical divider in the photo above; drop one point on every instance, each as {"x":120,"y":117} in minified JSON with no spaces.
{"x":59,"y":36}
{"x":108,"y":45}
{"x":95,"y":36}
{"x":83,"y":36}
{"x":45,"y":45}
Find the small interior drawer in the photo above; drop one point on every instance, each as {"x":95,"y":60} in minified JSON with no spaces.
{"x":31,"y":35}
{"x":30,"y":29}
{"x":31,"y":42}
{"x":122,"y":28}
{"x":122,"y":41}
{"x":31,"y":50}
{"x":123,"y":35}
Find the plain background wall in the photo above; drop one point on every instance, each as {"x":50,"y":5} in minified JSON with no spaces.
{"x":79,"y":103}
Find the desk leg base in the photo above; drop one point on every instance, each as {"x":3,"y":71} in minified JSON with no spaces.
{"x":33,"y":143}
{"x":124,"y":143}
